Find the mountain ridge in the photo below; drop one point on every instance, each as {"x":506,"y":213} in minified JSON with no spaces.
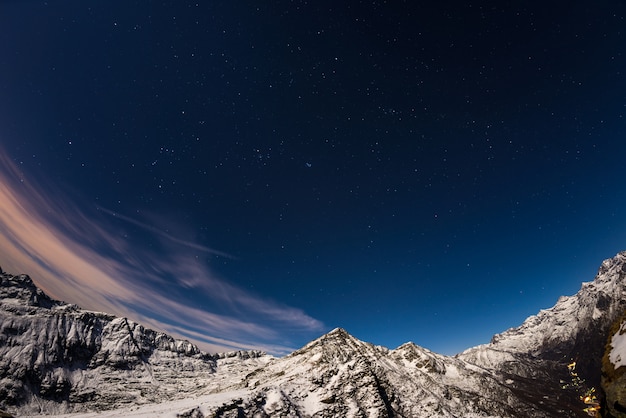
{"x":575,"y":329}
{"x":56,"y":355}
{"x":58,"y":358}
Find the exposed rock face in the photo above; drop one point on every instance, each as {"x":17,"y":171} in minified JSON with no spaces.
{"x":56,"y":357}
{"x":537,"y":353}
{"x":614,"y":371}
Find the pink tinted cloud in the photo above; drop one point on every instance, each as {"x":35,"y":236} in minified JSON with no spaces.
{"x":87,"y":261}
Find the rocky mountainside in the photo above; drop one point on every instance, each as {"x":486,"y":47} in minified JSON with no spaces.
{"x":57,"y":358}
{"x":340,"y":376}
{"x":614,"y":371}
{"x":574,"y":331}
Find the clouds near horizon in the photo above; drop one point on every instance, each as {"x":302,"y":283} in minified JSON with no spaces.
{"x":94,"y":257}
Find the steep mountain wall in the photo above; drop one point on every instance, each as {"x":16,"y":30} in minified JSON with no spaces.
{"x":614,"y":371}
{"x":55,"y":357}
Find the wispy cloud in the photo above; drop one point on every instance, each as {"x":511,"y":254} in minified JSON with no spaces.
{"x":85,"y":257}
{"x":164,"y":234}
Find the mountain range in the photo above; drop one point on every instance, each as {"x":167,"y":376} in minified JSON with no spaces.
{"x":566,"y":361}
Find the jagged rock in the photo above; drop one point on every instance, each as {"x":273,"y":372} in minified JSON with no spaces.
{"x":614,"y":371}
{"x":192,"y":413}
{"x":241,"y":355}
{"x":57,"y":356}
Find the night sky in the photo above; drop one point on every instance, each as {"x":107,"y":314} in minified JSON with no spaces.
{"x":252,"y":174}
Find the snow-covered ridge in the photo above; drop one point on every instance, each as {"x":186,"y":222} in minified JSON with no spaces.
{"x":593,"y":307}
{"x":58,"y":358}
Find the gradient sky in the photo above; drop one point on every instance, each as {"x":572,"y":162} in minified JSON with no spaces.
{"x":253,"y":174}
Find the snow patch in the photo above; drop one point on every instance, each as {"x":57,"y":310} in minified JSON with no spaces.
{"x":164,"y":410}
{"x":617,"y":355}
{"x":311,"y":404}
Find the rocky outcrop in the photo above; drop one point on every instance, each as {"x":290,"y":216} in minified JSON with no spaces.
{"x":614,"y":371}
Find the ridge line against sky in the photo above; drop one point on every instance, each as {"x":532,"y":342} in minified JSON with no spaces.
{"x":434,"y":172}
{"x":61,"y":248}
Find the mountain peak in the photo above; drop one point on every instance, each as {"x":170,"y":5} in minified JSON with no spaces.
{"x":338,"y":346}
{"x":340,"y":335}
{"x":339,"y":332}
{"x":612,"y":268}
{"x":22,"y":288}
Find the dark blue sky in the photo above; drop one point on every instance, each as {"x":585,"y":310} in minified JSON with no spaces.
{"x":433,"y":173}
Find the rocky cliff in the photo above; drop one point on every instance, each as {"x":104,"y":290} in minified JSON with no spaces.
{"x":56,"y":357}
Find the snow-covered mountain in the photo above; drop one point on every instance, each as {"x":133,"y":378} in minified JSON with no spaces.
{"x":58,"y":358}
{"x":575,"y":330}
{"x":340,"y":376}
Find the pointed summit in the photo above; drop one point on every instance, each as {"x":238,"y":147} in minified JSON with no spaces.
{"x":339,"y":334}
{"x":338,"y":346}
{"x":22,"y":288}
{"x":338,"y":331}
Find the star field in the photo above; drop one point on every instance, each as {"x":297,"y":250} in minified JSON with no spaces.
{"x":433,"y":173}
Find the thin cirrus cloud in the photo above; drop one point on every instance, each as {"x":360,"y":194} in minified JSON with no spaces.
{"x":91,"y":261}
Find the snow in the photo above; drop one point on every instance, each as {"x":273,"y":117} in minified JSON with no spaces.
{"x":597,"y":313}
{"x":452,"y":372}
{"x":164,"y":410}
{"x":272,"y":399}
{"x":311,"y":404}
{"x":316,"y":358}
{"x":617,"y":355}
{"x":562,"y":322}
